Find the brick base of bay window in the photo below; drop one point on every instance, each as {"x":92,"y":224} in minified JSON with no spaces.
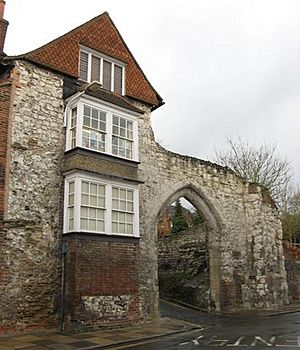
{"x":101,"y":280}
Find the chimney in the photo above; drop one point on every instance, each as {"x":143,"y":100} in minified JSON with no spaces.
{"x":3,"y":27}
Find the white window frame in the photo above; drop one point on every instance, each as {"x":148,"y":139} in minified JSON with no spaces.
{"x":102,"y":57}
{"x":78,"y":177}
{"x":110,"y":112}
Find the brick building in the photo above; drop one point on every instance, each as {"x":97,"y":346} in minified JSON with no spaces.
{"x":83,"y":183}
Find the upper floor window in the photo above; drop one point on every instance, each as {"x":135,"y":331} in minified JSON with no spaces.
{"x":101,"y":128}
{"x":110,"y":73}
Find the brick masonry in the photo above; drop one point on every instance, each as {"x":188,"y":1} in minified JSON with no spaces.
{"x":102,"y":281}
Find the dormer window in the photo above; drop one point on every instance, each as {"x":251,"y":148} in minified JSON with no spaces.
{"x":109,"y":72}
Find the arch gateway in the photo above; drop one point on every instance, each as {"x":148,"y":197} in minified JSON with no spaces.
{"x":83,"y":183}
{"x":246,"y":261}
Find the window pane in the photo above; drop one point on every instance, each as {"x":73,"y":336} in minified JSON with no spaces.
{"x":115,"y":131}
{"x":102,"y":126}
{"x":71,"y":212}
{"x":122,"y":132}
{"x":115,"y":120}
{"x":130,"y":195}
{"x":93,"y":200}
{"x":87,"y":111}
{"x":129,"y":218}
{"x":100,"y":214}
{"x":86,"y":121}
{"x":71,"y":199}
{"x":129,"y":229}
{"x":100,"y":226}
{"x":114,"y":150}
{"x":121,"y":217}
{"x":122,"y":194}
{"x":114,"y":227}
{"x":93,"y":188}
{"x":122,"y":228}
{"x":71,"y":187}
{"x":123,"y":205}
{"x":94,"y":124}
{"x":101,"y":190}
{"x":123,"y":122}
{"x":84,"y":224}
{"x":115,"y":204}
{"x":84,"y":212}
{"x":129,"y":206}
{"x":92,"y":225}
{"x":115,"y":192}
{"x":101,"y":202}
{"x":85,"y":199}
{"x":85,"y":187}
{"x":83,"y":67}
{"x":95,"y":113}
{"x":92,"y":213}
{"x":115,"y":216}
{"x":102,"y":116}
{"x":71,"y":224}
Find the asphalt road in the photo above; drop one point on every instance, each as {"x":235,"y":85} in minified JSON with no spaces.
{"x":229,"y":332}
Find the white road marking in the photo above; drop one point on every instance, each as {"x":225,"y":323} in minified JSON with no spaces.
{"x":257,"y":338}
{"x":186,"y":343}
{"x":291,"y":342}
{"x":237,"y":342}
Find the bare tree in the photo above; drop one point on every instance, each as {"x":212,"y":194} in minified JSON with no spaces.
{"x":258,"y":164}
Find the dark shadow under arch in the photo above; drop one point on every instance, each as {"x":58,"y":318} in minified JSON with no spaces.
{"x":214,"y":225}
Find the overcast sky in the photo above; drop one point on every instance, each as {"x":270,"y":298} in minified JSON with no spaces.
{"x":223,"y":67}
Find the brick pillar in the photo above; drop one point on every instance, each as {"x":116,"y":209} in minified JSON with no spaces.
{"x":3,"y":27}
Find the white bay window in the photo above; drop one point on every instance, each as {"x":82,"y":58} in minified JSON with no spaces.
{"x":95,"y":205}
{"x":99,"y":127}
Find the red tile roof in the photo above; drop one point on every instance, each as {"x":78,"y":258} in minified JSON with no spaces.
{"x":100,"y":34}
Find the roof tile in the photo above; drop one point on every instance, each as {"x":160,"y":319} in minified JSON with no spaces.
{"x":101,"y":35}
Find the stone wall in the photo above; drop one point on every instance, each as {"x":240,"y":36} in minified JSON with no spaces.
{"x":244,"y":233}
{"x":32,"y":220}
{"x":184,"y":251}
{"x":244,"y":240}
{"x":183,"y":267}
{"x":292,"y":265}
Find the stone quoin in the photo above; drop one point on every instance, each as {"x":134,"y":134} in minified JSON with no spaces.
{"x":83,"y":184}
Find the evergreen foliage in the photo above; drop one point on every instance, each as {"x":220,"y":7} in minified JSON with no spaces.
{"x":179,"y":221}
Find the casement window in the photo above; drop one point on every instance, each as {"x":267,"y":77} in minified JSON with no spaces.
{"x":109,"y":72}
{"x":104,"y":129}
{"x":93,"y":204}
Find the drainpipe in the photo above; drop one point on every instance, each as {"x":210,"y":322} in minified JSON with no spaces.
{"x":63,"y":284}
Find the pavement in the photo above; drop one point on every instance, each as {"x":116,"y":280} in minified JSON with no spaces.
{"x":101,"y":339}
{"x":108,"y":339}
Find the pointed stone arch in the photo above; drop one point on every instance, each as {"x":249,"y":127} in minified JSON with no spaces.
{"x":214,"y":225}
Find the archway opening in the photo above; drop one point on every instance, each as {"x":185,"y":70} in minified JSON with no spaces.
{"x":183,"y":254}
